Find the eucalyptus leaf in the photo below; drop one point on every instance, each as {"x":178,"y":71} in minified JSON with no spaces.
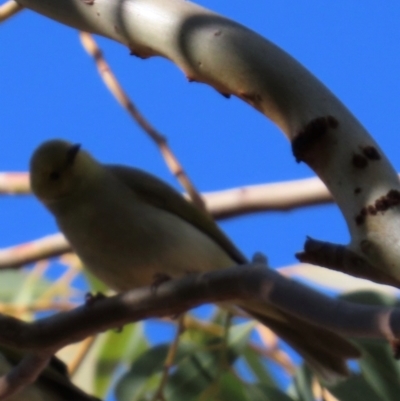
{"x":118,"y":348}
{"x":263,"y":392}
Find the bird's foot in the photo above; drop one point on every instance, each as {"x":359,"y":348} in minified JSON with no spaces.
{"x":158,"y":279}
{"x":91,"y":299}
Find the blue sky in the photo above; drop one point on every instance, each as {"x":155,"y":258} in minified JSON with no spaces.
{"x":50,"y":88}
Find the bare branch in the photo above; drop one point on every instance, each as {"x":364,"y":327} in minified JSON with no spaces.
{"x":8,"y":9}
{"x":14,"y":183}
{"x":340,"y":258}
{"x":81,"y":354}
{"x":255,"y":282}
{"x":169,"y":360}
{"x":43,"y":248}
{"x":279,"y":196}
{"x":25,"y":373}
{"x":112,"y":83}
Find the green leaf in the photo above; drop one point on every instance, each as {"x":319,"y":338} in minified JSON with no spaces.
{"x":378,"y":364}
{"x":95,"y":284}
{"x":303,"y":384}
{"x":199,"y":373}
{"x":11,"y":282}
{"x":370,"y":298}
{"x":356,"y":388}
{"x":231,"y":388}
{"x":257,"y":366}
{"x":380,"y":369}
{"x":144,"y":374}
{"x":118,"y":348}
{"x":239,"y":336}
{"x":197,"y":366}
{"x":263,"y":392}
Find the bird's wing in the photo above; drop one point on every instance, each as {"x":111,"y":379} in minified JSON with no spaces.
{"x":157,"y":193}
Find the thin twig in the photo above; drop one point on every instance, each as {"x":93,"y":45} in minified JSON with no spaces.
{"x":8,"y":9}
{"x":25,"y":373}
{"x":62,"y":283}
{"x":14,"y":183}
{"x":277,"y":355}
{"x":223,"y":362}
{"x":36,"y":306}
{"x":43,"y":248}
{"x":81,"y":354}
{"x":116,"y":89}
{"x":169,"y":360}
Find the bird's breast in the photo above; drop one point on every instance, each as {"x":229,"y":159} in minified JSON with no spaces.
{"x":126,"y":244}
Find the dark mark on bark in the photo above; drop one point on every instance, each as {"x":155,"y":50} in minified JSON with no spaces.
{"x":359,"y":161}
{"x":382,"y":204}
{"x":360,"y":218}
{"x":392,"y":198}
{"x":371,"y":153}
{"x":357,"y":190}
{"x":311,"y":134}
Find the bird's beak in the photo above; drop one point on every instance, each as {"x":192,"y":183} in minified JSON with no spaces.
{"x":72,"y":152}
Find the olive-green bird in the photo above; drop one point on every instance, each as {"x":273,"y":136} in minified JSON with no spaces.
{"x":128,"y":226}
{"x":53,"y":384}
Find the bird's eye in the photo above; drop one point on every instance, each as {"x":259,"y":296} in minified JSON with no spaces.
{"x":54,"y":175}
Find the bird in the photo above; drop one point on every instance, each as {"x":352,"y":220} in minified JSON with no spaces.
{"x":128,"y":226}
{"x":53,"y":384}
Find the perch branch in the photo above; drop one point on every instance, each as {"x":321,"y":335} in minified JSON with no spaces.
{"x":169,"y":360}
{"x":176,"y":296}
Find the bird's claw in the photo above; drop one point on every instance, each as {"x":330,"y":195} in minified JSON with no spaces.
{"x":158,"y":279}
{"x":91,"y":299}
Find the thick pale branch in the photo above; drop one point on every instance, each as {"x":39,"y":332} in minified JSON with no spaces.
{"x":255,"y":282}
{"x":236,"y":61}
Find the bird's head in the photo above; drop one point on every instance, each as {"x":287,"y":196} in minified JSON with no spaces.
{"x":58,"y":168}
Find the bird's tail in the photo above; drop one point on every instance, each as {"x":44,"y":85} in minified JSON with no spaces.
{"x":325,"y":351}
